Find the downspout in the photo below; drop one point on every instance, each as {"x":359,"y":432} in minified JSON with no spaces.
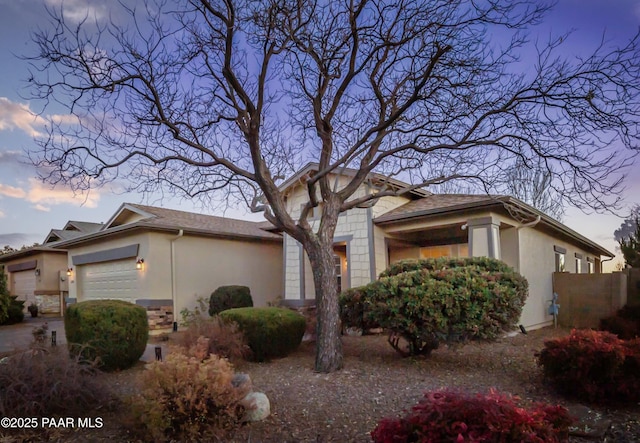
{"x":174,"y":282}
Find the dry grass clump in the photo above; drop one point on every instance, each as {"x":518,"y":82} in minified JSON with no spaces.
{"x":45,"y":382}
{"x":225,"y":338}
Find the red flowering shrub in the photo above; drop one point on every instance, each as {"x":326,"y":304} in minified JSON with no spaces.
{"x":456,"y":417}
{"x":593,"y":365}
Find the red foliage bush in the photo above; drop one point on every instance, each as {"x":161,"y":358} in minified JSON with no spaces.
{"x":625,"y":323}
{"x":593,"y":365}
{"x":456,"y":417}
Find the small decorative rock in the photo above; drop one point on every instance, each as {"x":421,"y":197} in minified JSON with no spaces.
{"x":257,"y":407}
{"x":241,"y":380}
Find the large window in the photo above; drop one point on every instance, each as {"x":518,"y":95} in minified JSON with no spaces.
{"x":457,"y":250}
{"x":559,"y":257}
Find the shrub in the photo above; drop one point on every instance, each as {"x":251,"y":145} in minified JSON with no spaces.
{"x":593,"y":365}
{"x":186,"y":398}
{"x":44,"y":383}
{"x":15,"y":313}
{"x":451,"y":416}
{"x":113,"y":331}
{"x":225,"y":338}
{"x":625,"y":323}
{"x":431,"y":264}
{"x":270,"y":332}
{"x":229,"y":297}
{"x":5,"y":298}
{"x":426,"y":306}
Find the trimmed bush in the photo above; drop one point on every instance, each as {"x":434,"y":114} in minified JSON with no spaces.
{"x":593,"y":365}
{"x":625,"y":323}
{"x":225,"y":339}
{"x":431,"y":264}
{"x":15,"y":313}
{"x":229,"y":297}
{"x":188,"y":398}
{"x":270,"y":332}
{"x":439,"y":303}
{"x":449,"y":416}
{"x":113,"y":331}
{"x":47,"y":383}
{"x":5,"y":298}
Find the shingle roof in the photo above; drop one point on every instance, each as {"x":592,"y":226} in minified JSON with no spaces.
{"x":171,"y":218}
{"x":436,"y":203}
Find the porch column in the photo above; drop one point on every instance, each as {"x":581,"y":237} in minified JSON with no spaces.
{"x":484,"y":237}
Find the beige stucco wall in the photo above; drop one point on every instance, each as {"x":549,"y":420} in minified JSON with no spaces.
{"x":50,"y":265}
{"x":202,"y":265}
{"x":537,"y":264}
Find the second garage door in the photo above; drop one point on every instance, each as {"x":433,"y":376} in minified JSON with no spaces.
{"x":24,"y":285}
{"x":116,"y":279}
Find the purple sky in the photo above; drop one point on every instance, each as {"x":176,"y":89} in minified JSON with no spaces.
{"x":29,"y":209}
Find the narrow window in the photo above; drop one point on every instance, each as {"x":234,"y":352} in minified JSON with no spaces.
{"x":578,"y":263}
{"x":559,"y":256}
{"x":338,"y":263}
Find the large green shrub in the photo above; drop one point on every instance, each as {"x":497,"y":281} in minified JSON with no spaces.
{"x":270,"y":332}
{"x":15,"y":313}
{"x":438,"y":302}
{"x":5,"y":298}
{"x":229,"y":297}
{"x":593,"y":365}
{"x":114,"y":331}
{"x":484,"y":263}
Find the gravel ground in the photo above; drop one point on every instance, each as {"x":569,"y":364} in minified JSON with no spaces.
{"x":345,"y":406}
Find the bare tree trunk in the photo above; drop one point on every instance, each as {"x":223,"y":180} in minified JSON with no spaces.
{"x":328,"y":342}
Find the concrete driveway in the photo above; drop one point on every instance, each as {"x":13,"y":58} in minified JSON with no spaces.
{"x":20,"y":336}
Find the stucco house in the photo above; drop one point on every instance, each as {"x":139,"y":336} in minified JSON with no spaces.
{"x":165,"y":260}
{"x":39,"y":274}
{"x":420,"y":224}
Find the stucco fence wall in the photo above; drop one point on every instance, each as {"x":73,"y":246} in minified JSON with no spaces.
{"x":633,"y":286}
{"x":586,"y":298}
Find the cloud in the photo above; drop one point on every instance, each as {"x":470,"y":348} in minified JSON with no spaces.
{"x":12,"y":191}
{"x":79,"y":10}
{"x":18,"y":116}
{"x":2,"y":214}
{"x":18,"y":239}
{"x":41,"y":208}
{"x":10,"y":156}
{"x":43,"y":196}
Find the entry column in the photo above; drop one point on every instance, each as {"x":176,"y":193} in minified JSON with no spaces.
{"x":484,"y":237}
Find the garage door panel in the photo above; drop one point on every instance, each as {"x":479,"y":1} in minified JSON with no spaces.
{"x":24,"y":285}
{"x":115,"y":280}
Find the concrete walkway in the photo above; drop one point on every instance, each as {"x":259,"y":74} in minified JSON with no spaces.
{"x":20,"y":336}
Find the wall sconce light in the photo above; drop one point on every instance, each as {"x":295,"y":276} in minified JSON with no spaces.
{"x":140,"y":263}
{"x":69,"y":271}
{"x":37,"y":272}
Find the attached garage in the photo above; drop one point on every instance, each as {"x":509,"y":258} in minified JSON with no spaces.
{"x":117,"y":279}
{"x":24,"y":285}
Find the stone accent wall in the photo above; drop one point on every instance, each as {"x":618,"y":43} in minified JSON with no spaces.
{"x":48,"y":304}
{"x":160,"y":317}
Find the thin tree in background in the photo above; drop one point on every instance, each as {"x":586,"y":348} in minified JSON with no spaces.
{"x":220,"y":99}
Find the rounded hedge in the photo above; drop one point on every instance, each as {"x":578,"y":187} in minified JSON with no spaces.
{"x":114,"y":331}
{"x":429,"y":301}
{"x":270,"y":332}
{"x":229,"y":297}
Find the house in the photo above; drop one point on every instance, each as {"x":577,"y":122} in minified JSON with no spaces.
{"x":166,"y":259}
{"x":420,"y":225}
{"x":39,"y":274}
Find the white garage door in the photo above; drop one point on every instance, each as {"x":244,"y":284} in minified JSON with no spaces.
{"x":24,"y":285}
{"x":116,"y":279}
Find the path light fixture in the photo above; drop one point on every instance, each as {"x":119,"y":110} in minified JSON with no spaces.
{"x":140,"y":264}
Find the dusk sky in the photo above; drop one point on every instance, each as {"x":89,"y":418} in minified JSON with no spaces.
{"x":29,"y":208}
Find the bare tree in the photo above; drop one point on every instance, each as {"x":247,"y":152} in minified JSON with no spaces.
{"x":628,"y":226}
{"x":206,"y":95}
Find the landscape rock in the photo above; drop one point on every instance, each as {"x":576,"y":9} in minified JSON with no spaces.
{"x":257,"y":407}
{"x":241,"y":380}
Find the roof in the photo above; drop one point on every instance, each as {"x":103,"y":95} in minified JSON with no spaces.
{"x":439,"y":204}
{"x":376,"y":177}
{"x":28,"y":252}
{"x":171,"y":220}
{"x":72,"y":229}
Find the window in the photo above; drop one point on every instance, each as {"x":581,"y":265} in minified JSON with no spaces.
{"x":578,"y":263}
{"x":338,"y":263}
{"x":590,"y":266}
{"x":559,"y":253}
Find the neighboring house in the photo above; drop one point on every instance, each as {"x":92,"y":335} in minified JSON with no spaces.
{"x":165,"y":260}
{"x":421,"y":225}
{"x":39,"y":274}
